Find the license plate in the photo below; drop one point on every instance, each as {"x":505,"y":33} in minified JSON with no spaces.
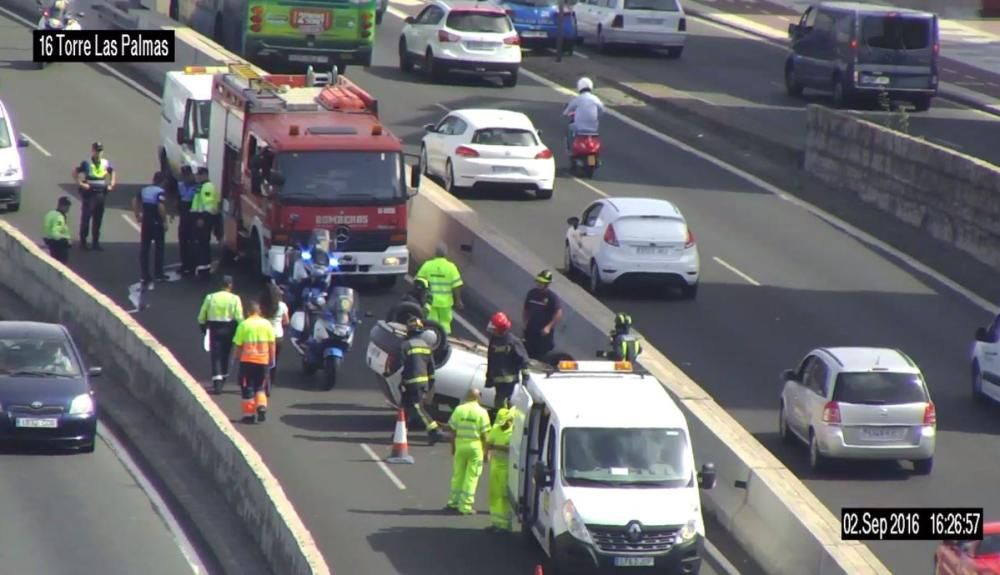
{"x":37,"y":422}
{"x":310,"y":19}
{"x":883,"y":433}
{"x":649,"y":250}
{"x":534,"y":34}
{"x":308,"y":58}
{"x":652,"y":21}
{"x":480,"y":45}
{"x":634,"y":562}
{"x":591,"y":160}
{"x":505,"y":169}
{"x":879,"y":80}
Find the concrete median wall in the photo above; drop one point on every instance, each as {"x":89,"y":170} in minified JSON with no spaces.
{"x":774,"y":517}
{"x":950,"y":196}
{"x":131,"y":355}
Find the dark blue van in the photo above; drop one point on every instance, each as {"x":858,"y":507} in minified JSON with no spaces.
{"x":857,"y":50}
{"x":536,"y":22}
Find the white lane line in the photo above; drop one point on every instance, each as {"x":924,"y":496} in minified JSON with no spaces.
{"x":736,"y":271}
{"x":131,"y":221}
{"x":464,"y":322}
{"x":443,"y":107}
{"x":721,"y":559}
{"x":590,"y":187}
{"x":34,"y":143}
{"x":181,"y":538}
{"x":385,"y":468}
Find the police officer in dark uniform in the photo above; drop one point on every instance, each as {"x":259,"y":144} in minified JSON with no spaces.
{"x":414,"y":303}
{"x":505,"y":360}
{"x":95,"y":178}
{"x":542,"y":311}
{"x":625,"y":345}
{"x":150,"y":208}
{"x":186,"y":189}
{"x":418,"y":377}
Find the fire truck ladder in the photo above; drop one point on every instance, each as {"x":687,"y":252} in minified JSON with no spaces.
{"x":263,"y":93}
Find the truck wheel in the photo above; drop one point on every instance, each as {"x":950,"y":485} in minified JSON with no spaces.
{"x":331,"y":367}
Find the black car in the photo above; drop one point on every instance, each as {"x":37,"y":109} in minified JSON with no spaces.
{"x":45,"y":391}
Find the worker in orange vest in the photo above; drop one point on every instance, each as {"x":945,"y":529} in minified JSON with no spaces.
{"x":255,"y":346}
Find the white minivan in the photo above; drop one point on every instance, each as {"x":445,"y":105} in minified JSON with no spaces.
{"x":184,"y":118}
{"x":11,"y":167}
{"x":647,"y":23}
{"x":602,"y":471}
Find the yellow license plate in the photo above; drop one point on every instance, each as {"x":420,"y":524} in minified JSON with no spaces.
{"x":591,"y":160}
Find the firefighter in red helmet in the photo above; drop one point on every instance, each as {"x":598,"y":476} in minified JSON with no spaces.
{"x":505,"y":360}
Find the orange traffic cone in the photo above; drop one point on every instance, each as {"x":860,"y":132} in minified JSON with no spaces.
{"x":400,"y":448}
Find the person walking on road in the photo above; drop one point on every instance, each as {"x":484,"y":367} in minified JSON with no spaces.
{"x":205,"y":207}
{"x":95,"y":178}
{"x":220,"y":314}
{"x":186,"y":190}
{"x":254,"y":341}
{"x":56,"y":231}
{"x":498,"y":449}
{"x":469,"y":423}
{"x":417,"y":377}
{"x":542,"y":312}
{"x":150,"y":209}
{"x":275,"y":310}
{"x":506,"y":358}
{"x":445,"y":282}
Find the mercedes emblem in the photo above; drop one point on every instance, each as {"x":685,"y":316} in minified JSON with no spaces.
{"x":634,"y":531}
{"x":36,"y":404}
{"x":342,"y":233}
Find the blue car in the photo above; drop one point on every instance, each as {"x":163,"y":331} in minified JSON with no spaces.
{"x":536,"y":22}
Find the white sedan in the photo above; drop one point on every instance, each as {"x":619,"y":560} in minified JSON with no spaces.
{"x":479,"y":147}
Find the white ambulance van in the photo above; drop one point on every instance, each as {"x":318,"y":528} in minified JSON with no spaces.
{"x":185,"y":108}
{"x":602,"y":471}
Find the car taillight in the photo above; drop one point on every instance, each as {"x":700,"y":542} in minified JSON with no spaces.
{"x":682,"y":26}
{"x":831,"y":412}
{"x":544,"y":154}
{"x":466,"y":152}
{"x":618,"y":22}
{"x":937,"y":48}
{"x":930,"y":414}
{"x":854,"y":44}
{"x":512,"y":40}
{"x":609,"y":236}
{"x":689,"y":242}
{"x":444,"y":36}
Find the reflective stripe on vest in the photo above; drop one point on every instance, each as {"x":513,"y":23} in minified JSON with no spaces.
{"x":443,"y":280}
{"x":223,"y":306}
{"x":467,"y":423}
{"x":416,"y":355}
{"x":257,"y":335}
{"x":97,"y":172}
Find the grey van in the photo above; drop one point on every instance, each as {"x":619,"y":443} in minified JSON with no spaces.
{"x":855,"y":50}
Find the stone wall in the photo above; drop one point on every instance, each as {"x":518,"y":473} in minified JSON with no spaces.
{"x":953,"y":197}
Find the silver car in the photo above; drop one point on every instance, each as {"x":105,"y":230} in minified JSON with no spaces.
{"x":859,"y":403}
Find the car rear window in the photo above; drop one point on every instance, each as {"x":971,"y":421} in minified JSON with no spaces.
{"x":879,"y":388}
{"x":504,"y":137}
{"x":896,"y":33}
{"x":655,"y":5}
{"x":478,"y":22}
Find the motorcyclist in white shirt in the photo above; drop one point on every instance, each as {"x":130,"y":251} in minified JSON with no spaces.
{"x":586,"y":109}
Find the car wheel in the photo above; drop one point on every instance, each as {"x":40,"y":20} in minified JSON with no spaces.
{"x":511,"y":80}
{"x":601,"y":44}
{"x":689,"y":291}
{"x":923,"y":466}
{"x":596,"y":285}
{"x":425,"y":168}
{"x":430,"y":69}
{"x":405,"y":64}
{"x":792,"y":86}
{"x":841,"y":99}
{"x":449,"y":180}
{"x":977,"y":383}
{"x":568,"y":266}
{"x":783,"y":431}
{"x":817,"y":461}
{"x":543,"y":194}
{"x":674,"y":52}
{"x":922,"y":104}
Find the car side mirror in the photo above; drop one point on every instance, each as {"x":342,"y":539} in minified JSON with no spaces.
{"x":22,"y":141}
{"x":429,"y":128}
{"x":789,"y":375}
{"x":793,"y":31}
{"x":95,"y":372}
{"x":706,"y":478}
{"x":539,"y":133}
{"x":414,"y":179}
{"x":983,"y":335}
{"x":181,"y":140}
{"x":541,"y":473}
{"x":573,"y":222}
{"x":409,"y":20}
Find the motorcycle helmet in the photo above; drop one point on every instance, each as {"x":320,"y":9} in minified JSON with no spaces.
{"x":414,"y":325}
{"x":584,"y":84}
{"x":499,"y":323}
{"x":421,"y":284}
{"x":623,"y":322}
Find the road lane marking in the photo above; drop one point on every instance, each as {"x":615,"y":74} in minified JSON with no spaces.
{"x":736,"y":271}
{"x":722,"y":560}
{"x":443,"y":107}
{"x":131,"y":221}
{"x":590,"y":187}
{"x":34,"y":143}
{"x":165,"y":513}
{"x":385,"y":468}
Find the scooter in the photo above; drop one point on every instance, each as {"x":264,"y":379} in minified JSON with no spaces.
{"x":323,"y":333}
{"x":584,"y":153}
{"x":50,"y":21}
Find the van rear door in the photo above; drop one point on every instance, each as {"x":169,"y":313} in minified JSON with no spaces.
{"x":652,"y":17}
{"x":900,"y":48}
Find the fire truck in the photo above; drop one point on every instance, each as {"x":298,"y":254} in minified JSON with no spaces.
{"x":296,"y":153}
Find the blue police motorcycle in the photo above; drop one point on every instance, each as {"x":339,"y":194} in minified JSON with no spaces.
{"x":310,"y":272}
{"x":323,"y":332}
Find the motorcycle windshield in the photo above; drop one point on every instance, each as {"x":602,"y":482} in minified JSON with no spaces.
{"x":341,"y":304}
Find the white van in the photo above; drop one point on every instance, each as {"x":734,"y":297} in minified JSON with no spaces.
{"x":648,"y":23}
{"x":184,"y":118}
{"x":11,"y":167}
{"x":602,"y":471}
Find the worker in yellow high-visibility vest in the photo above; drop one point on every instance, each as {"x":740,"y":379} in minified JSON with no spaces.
{"x":446,"y":283}
{"x":205,"y":209}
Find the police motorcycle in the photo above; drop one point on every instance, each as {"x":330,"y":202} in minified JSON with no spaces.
{"x":306,"y":271}
{"x":323,"y":333}
{"x":52,"y":18}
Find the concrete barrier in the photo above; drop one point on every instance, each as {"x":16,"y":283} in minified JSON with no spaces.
{"x":773,"y":515}
{"x":149,"y":372}
{"x":952,"y":197}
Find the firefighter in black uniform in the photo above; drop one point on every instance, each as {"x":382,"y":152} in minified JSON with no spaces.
{"x":505,"y":360}
{"x":417,"y":377}
{"x":625,"y":345}
{"x":416,"y":300}
{"x":542,"y":312}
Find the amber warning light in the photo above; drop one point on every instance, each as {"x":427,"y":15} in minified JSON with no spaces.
{"x":103,"y":46}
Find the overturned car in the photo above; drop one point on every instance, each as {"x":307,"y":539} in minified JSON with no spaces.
{"x":460,"y":365}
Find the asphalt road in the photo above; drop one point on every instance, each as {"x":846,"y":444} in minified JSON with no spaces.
{"x":321,"y":445}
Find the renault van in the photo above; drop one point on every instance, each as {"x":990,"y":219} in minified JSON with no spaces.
{"x":859,"y":51}
{"x":185,"y":108}
{"x":11,"y":167}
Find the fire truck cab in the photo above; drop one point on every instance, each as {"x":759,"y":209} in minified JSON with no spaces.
{"x":296,"y":153}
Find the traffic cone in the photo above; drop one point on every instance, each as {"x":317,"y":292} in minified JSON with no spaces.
{"x":400,"y":448}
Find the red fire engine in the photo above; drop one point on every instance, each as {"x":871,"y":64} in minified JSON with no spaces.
{"x":340,"y":170}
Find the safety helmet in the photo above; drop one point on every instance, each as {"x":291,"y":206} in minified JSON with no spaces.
{"x":414,"y":325}
{"x":499,"y":323}
{"x":59,"y":5}
{"x":584,"y":84}
{"x":544,"y":277}
{"x":623,"y":321}
{"x":422,"y":284}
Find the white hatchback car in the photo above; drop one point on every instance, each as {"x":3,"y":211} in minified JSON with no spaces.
{"x":472,"y":38}
{"x":986,"y":363}
{"x":650,"y":23}
{"x":11,"y":167}
{"x":859,"y":403}
{"x":476,"y":147}
{"x":643,"y":239}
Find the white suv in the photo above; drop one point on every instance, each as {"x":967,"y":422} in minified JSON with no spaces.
{"x":986,"y":363}
{"x":859,"y":403}
{"x":476,"y":39}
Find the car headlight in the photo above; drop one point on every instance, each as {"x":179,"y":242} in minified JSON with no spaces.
{"x":82,"y":405}
{"x":575,"y":523}
{"x":689,"y":530}
{"x":390,"y":261}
